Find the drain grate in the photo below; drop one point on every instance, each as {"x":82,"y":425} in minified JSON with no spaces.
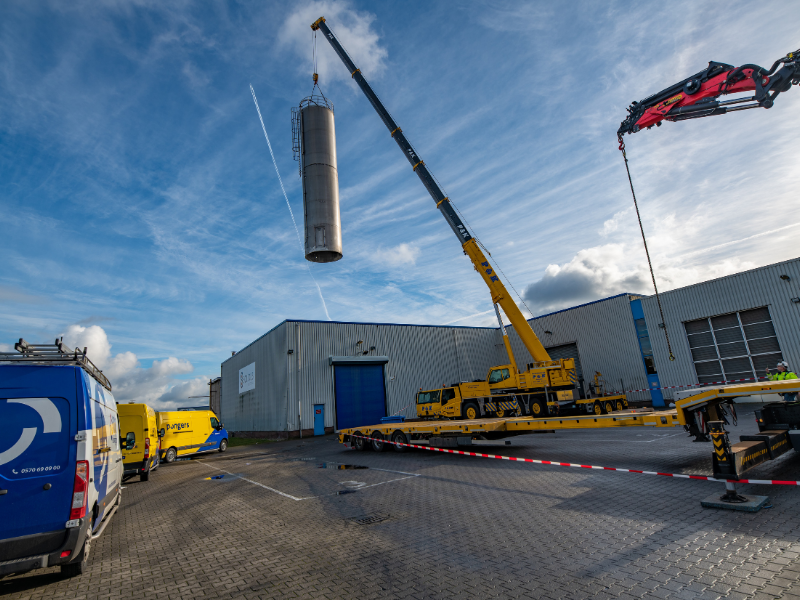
{"x":370,"y":519}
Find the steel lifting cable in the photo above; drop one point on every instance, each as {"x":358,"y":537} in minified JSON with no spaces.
{"x":644,"y":241}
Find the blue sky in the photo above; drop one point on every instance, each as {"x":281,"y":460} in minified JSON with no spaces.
{"x":142,"y":215}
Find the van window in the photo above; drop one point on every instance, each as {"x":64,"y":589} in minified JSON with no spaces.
{"x":447,"y":395}
{"x":130,"y":441}
{"x":214,"y":422}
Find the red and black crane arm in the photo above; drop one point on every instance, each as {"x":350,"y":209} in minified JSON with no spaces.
{"x":697,"y":96}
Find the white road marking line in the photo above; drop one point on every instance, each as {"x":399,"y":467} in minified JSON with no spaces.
{"x":266,"y":487}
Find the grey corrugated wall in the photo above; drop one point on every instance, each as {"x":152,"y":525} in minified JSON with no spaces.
{"x":265,"y":407}
{"x":606,"y":338}
{"x":742,"y":291}
{"x":288,"y":384}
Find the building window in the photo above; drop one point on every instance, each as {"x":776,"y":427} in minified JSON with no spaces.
{"x":738,"y":345}
{"x":644,"y":344}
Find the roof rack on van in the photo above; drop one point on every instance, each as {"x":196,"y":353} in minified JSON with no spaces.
{"x":57,"y":353}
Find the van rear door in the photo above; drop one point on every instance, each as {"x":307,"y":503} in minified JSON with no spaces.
{"x":37,"y":453}
{"x":131,"y":432}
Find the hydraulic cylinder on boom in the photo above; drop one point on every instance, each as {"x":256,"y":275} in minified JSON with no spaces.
{"x":543,"y":373}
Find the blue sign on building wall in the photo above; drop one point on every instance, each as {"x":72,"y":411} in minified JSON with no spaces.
{"x":647,"y":354}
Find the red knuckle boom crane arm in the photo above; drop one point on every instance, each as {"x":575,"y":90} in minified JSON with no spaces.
{"x":697,"y":96}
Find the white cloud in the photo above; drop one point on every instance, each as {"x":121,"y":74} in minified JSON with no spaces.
{"x":155,"y":385}
{"x":603,"y":271}
{"x":352,"y":28}
{"x":396,"y":256}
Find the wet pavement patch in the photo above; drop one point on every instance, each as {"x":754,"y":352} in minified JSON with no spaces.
{"x":339,"y":467}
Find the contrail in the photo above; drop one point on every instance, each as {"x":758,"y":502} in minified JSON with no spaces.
{"x":486,"y":312}
{"x":297,"y":231}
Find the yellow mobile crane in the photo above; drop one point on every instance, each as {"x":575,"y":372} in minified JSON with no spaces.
{"x":540,"y":377}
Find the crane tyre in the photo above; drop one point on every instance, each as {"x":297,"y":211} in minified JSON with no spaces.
{"x":608,"y":407}
{"x":471,"y":411}
{"x":597,"y":408}
{"x":378,"y":445}
{"x":400,"y":438}
{"x":538,"y":408}
{"x":500,"y":414}
{"x":620,"y":406}
{"x":359,"y":443}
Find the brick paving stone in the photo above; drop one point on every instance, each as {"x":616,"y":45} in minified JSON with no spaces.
{"x":460,"y":527}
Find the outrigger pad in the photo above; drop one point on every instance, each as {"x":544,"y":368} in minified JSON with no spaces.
{"x":753,"y":503}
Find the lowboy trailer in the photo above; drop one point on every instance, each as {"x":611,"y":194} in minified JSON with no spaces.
{"x":702,"y":412}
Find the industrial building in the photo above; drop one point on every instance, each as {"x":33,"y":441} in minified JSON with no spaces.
{"x":317,"y":376}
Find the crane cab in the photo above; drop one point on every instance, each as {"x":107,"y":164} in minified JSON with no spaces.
{"x":444,"y":402}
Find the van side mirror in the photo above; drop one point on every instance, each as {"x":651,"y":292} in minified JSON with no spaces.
{"x":162,"y":432}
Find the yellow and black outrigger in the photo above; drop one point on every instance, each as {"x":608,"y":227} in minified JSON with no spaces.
{"x":544,"y":375}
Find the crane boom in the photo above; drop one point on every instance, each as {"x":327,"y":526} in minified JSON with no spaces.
{"x":469,"y":244}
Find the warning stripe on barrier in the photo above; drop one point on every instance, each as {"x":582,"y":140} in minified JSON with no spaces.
{"x":575,"y":465}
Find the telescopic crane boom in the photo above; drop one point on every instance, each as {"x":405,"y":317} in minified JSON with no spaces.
{"x":469,"y":244}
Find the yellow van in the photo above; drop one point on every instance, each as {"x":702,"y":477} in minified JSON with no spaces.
{"x":187,"y":432}
{"x":139,"y":433}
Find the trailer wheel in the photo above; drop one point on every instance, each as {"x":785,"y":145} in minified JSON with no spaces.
{"x":608,"y":407}
{"x":537,"y":408}
{"x":471,"y":411}
{"x":400,"y":438}
{"x":378,"y":445}
{"x":620,"y":406}
{"x":596,"y":408}
{"x":358,"y":443}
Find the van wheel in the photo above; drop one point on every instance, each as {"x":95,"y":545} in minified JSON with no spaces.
{"x":73,"y":569}
{"x":358,"y":443}
{"x":471,"y":411}
{"x":144,"y":476}
{"x":223,"y":445}
{"x":171,"y":455}
{"x":400,"y":438}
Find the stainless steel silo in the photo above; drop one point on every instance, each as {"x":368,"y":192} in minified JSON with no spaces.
{"x":315,"y":142}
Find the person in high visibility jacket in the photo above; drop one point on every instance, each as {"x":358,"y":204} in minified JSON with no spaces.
{"x":783,"y":374}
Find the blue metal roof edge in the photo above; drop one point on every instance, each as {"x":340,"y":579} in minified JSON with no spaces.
{"x":585,"y":304}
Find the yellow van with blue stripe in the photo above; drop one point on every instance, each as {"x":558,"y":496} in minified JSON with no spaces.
{"x":139,"y":440}
{"x":187,"y":432}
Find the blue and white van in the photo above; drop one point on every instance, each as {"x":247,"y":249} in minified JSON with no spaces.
{"x":60,"y":458}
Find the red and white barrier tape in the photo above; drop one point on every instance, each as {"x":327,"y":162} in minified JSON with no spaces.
{"x":563,"y":464}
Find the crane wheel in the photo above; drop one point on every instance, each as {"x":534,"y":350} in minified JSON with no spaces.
{"x":608,"y":407}
{"x":537,"y":408}
{"x":400,"y":438}
{"x":359,"y":443}
{"x":378,"y":445}
{"x":471,"y":411}
{"x":597,"y":408}
{"x":620,"y":406}
{"x":500,"y":414}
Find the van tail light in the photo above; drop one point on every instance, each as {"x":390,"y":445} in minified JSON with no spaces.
{"x":146,"y":448}
{"x":80,"y":490}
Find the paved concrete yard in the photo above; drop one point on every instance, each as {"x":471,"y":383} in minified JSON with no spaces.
{"x":455,"y":527}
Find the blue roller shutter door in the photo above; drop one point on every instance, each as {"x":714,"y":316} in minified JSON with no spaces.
{"x":360,"y":395}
